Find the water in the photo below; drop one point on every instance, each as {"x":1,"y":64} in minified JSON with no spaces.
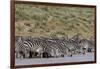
{"x":65,"y":59}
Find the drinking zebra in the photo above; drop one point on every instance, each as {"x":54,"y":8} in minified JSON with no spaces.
{"x":36,"y":47}
{"x":42,"y":47}
{"x":51,"y":48}
{"x":20,"y":49}
{"x":61,"y":43}
{"x":86,"y":46}
{"x":24,"y":46}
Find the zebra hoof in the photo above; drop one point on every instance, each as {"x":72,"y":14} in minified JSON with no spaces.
{"x":84,"y":53}
{"x":62,"y":55}
{"x":71,"y":55}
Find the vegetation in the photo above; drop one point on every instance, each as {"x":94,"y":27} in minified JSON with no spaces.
{"x":41,"y":20}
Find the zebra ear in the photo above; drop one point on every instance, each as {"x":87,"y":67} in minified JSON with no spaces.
{"x":20,"y":39}
{"x":29,"y":37}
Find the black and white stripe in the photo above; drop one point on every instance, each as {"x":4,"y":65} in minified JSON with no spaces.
{"x":49,"y":47}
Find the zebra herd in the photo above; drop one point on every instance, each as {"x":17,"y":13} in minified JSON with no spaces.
{"x":45,"y":47}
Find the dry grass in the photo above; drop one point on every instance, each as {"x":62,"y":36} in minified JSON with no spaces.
{"x":38,"y":20}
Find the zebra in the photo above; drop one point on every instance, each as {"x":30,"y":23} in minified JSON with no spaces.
{"x":66,"y":46}
{"x":71,"y":48}
{"x":51,"y":48}
{"x":75,"y":43}
{"x":24,"y":46}
{"x":20,"y":49}
{"x":86,"y":46}
{"x":29,"y":47}
{"x":34,"y":46}
{"x":61,"y":43}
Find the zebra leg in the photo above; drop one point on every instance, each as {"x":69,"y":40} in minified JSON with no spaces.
{"x":46,"y":55}
{"x":26,"y":55}
{"x":30,"y":54}
{"x":17,"y":54}
{"x":84,"y":50}
{"x":89,"y":49}
{"x":23,"y":55}
{"x":62,"y":55}
{"x":41,"y":55}
{"x":71,"y":54}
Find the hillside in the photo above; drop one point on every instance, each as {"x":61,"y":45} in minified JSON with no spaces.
{"x":41,"y":20}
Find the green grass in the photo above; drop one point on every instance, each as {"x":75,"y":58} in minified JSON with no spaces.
{"x":41,"y":20}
